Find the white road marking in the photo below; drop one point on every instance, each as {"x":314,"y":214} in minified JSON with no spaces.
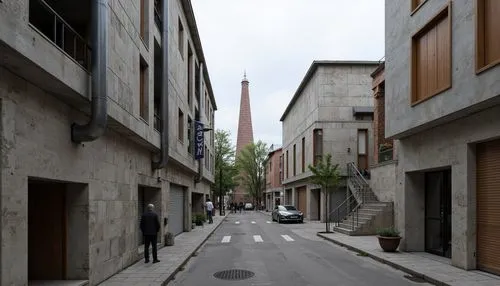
{"x":287,"y":237}
{"x":253,"y":222}
{"x":237,"y":222}
{"x":226,"y":239}
{"x":268,"y":222}
{"x":257,"y":238}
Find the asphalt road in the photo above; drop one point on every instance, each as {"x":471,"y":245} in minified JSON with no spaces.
{"x":278,"y":254}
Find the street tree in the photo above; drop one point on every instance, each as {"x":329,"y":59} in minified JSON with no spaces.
{"x":251,"y":168}
{"x":225,"y":169}
{"x":326,"y":175}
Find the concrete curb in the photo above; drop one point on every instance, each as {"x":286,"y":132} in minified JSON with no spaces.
{"x":385,"y":261}
{"x":178,"y":268}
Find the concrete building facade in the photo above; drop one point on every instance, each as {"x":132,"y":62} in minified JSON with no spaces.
{"x":273,"y":192}
{"x":331,"y":112}
{"x":442,"y":104}
{"x":76,"y":197}
{"x":383,"y":168}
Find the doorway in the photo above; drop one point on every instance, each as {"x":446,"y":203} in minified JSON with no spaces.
{"x":438,"y":213}
{"x":146,"y":196}
{"x":58,"y":230}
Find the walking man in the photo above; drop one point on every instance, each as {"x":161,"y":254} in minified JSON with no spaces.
{"x":150,"y":226}
{"x":210,"y":208}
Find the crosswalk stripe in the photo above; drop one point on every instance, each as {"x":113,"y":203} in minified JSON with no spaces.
{"x":226,"y":239}
{"x":287,"y":237}
{"x":257,"y":238}
{"x":253,"y":222}
{"x":268,"y":222}
{"x":237,"y":222}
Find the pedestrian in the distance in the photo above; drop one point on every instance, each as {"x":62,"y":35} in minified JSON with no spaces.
{"x":210,"y":208}
{"x":150,"y":226}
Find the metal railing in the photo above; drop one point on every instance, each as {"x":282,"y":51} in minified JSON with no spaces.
{"x":347,"y":213}
{"x":385,"y":155}
{"x":61,"y":33}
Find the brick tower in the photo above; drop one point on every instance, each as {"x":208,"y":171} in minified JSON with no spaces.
{"x":245,"y":131}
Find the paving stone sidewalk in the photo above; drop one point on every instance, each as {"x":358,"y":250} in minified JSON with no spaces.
{"x":172,"y":258}
{"x":432,"y":268}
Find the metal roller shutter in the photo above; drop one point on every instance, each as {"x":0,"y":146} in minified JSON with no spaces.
{"x":176,"y":210}
{"x":488,"y":206}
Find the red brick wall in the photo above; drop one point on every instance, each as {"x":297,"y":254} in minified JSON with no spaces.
{"x":379,"y":113}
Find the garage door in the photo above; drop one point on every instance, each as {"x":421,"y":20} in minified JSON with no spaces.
{"x":176,"y":209}
{"x":488,"y":206}
{"x":301,"y":204}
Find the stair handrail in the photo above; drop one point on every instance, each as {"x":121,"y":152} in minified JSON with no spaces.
{"x":359,"y":195}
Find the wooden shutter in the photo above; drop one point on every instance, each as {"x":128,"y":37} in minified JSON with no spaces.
{"x":488,"y":206}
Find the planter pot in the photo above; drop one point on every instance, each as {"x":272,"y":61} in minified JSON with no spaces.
{"x":389,"y":244}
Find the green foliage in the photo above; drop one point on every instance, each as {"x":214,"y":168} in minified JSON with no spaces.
{"x":224,"y":162}
{"x":251,"y":168}
{"x":388,"y":232}
{"x":199,"y":218}
{"x":326,"y":175}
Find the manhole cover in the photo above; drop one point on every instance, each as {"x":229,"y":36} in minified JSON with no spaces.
{"x":234,"y":274}
{"x":415,"y":279}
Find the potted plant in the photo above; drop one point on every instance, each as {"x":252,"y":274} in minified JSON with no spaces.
{"x":388,"y":238}
{"x":199,"y":219}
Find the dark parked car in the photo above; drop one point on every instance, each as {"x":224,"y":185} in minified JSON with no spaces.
{"x":287,"y":213}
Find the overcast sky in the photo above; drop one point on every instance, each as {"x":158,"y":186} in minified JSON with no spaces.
{"x":275,"y":41}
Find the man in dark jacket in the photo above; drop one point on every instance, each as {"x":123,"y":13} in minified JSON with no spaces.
{"x":150,"y":225}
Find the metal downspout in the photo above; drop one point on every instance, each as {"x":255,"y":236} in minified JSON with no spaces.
{"x":162,"y":163}
{"x":99,"y":109}
{"x":199,"y":176}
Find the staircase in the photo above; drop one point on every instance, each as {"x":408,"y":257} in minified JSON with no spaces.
{"x":361,"y":213}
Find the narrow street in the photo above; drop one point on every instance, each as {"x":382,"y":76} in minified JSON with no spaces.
{"x":279,"y":254}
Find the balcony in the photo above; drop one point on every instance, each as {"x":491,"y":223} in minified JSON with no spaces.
{"x":385,"y":153}
{"x":65,"y":24}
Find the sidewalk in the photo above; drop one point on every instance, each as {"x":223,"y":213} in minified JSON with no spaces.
{"x":172,"y":258}
{"x":432,"y":268}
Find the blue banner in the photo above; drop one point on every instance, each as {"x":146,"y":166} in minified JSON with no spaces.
{"x":199,"y":140}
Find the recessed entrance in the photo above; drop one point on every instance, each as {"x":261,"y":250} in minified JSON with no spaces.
{"x":57,"y":231}
{"x":302,"y":200}
{"x":438,"y":213}
{"x":146,"y":196}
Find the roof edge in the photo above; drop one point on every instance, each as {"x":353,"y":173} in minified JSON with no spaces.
{"x":310,"y":72}
{"x":193,"y":29}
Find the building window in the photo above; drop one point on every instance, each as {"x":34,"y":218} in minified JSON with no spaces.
{"x":190,"y":136}
{"x":431,"y":58}
{"x":143,"y":19}
{"x":180,"y":123}
{"x":207,"y":159}
{"x":487,"y":34}
{"x":294,"y":160}
{"x":303,"y":154}
{"x":416,"y":4}
{"x":143,"y":90}
{"x":286,"y":164}
{"x":180,"y":38}
{"x":189,"y":76}
{"x":362,"y":149}
{"x":317,"y":145}
{"x":281,"y":168}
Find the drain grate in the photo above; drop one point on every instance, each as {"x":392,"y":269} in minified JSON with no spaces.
{"x":234,"y":274}
{"x":415,"y":279}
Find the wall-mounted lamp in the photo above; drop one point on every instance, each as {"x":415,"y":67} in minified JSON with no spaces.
{"x":348,"y":149}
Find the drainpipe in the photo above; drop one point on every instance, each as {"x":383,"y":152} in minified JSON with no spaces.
{"x":199,"y":176}
{"x":162,"y":163}
{"x":99,"y":108}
